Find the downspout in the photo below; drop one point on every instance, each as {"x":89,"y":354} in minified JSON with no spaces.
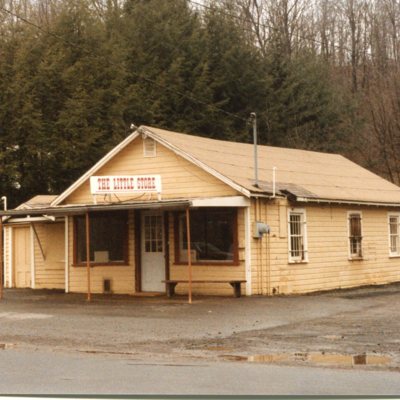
{"x":66,"y":233}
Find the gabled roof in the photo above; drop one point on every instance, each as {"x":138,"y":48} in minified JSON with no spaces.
{"x":306,"y":175}
{"x":303,"y":175}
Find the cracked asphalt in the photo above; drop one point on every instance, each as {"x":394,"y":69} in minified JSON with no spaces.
{"x":212,"y":329}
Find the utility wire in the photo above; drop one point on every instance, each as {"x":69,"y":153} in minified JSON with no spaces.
{"x":149,"y":80}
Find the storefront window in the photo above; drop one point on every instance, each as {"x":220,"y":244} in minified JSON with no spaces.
{"x":213,"y":236}
{"x":108,"y":238}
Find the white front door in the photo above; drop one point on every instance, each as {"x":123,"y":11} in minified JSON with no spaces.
{"x":153,"y":262}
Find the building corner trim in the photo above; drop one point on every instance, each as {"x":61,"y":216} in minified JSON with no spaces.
{"x":247,"y":234}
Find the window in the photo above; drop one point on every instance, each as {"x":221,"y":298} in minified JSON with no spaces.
{"x":153,"y":229}
{"x":213,"y":236}
{"x":297,"y":236}
{"x":108,"y":238}
{"x":149,"y":147}
{"x":355,"y":235}
{"x":394,"y":235}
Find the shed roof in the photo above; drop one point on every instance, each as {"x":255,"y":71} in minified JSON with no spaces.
{"x":39,"y":201}
{"x":307,"y":175}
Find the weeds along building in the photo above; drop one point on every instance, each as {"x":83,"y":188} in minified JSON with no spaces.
{"x":324,"y":223}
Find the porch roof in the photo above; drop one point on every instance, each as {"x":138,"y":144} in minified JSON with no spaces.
{"x":84,"y":208}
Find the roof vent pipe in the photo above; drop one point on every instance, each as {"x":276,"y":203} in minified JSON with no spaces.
{"x":273,"y":181}
{"x":253,"y":118}
{"x":4,"y":200}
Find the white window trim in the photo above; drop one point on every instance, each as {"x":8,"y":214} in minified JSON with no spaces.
{"x":305,"y":239}
{"x":352,"y":257}
{"x":393,"y":214}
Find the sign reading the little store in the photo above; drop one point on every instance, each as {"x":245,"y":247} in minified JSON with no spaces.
{"x":125,"y":184}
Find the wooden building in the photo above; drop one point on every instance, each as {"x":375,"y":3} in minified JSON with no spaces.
{"x":315,"y":222}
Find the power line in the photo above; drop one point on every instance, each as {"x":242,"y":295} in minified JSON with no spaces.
{"x":149,"y":80}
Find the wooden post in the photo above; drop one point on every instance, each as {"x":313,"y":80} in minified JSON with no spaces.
{"x":189,"y":254}
{"x":88,"y":256}
{"x":1,"y":257}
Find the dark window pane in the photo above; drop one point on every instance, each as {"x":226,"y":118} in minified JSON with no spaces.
{"x":107,"y":237}
{"x":211,"y":234}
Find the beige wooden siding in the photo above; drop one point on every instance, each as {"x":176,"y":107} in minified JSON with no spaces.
{"x":122,"y":277}
{"x":329,"y":266}
{"x":209,"y":272}
{"x":180,"y":178}
{"x":49,"y":266}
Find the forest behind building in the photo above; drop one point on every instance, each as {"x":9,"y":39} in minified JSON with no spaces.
{"x":74,"y":74}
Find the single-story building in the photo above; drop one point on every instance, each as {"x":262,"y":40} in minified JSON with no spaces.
{"x":313,"y":222}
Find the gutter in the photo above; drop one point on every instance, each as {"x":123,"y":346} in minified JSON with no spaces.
{"x":352,"y":202}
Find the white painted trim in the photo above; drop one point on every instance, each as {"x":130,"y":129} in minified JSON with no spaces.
{"x":396,"y":215}
{"x":96,"y":167}
{"x":228,"y":201}
{"x":66,"y":284}
{"x":28,"y":219}
{"x":247,"y":239}
{"x":305,"y":239}
{"x":351,"y":257}
{"x":33,"y":270}
{"x":195,"y":161}
{"x":10,"y":259}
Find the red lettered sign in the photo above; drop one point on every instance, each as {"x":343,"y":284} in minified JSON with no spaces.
{"x":125,"y":184}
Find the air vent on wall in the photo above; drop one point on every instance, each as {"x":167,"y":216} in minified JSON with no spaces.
{"x":149,"y":147}
{"x":107,"y":286}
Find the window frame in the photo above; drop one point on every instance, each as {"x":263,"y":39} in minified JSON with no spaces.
{"x":222,"y":263}
{"x":291,"y":259}
{"x":396,"y":215}
{"x":124,"y":263}
{"x":350,"y":254}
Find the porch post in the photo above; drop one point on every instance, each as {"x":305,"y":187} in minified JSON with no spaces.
{"x":1,"y":257}
{"x":189,"y":255}
{"x":88,"y":256}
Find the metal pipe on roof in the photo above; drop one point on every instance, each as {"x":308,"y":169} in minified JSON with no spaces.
{"x":4,"y":200}
{"x":253,"y":117}
{"x":273,"y":182}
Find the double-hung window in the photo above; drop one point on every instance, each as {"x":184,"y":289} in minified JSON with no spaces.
{"x":297,"y":235}
{"x":355,"y":234}
{"x":394,"y":235}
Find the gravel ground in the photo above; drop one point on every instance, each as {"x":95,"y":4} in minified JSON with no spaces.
{"x":285,"y":330}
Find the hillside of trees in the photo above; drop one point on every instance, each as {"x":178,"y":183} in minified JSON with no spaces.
{"x":74,"y":74}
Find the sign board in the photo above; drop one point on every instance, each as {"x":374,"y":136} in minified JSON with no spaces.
{"x":125,"y":184}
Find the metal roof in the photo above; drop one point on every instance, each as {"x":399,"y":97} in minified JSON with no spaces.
{"x":84,"y":208}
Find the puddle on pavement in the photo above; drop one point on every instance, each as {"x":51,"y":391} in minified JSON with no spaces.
{"x":6,"y":346}
{"x":218,"y":348}
{"x":16,"y":316}
{"x":314,"y":358}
